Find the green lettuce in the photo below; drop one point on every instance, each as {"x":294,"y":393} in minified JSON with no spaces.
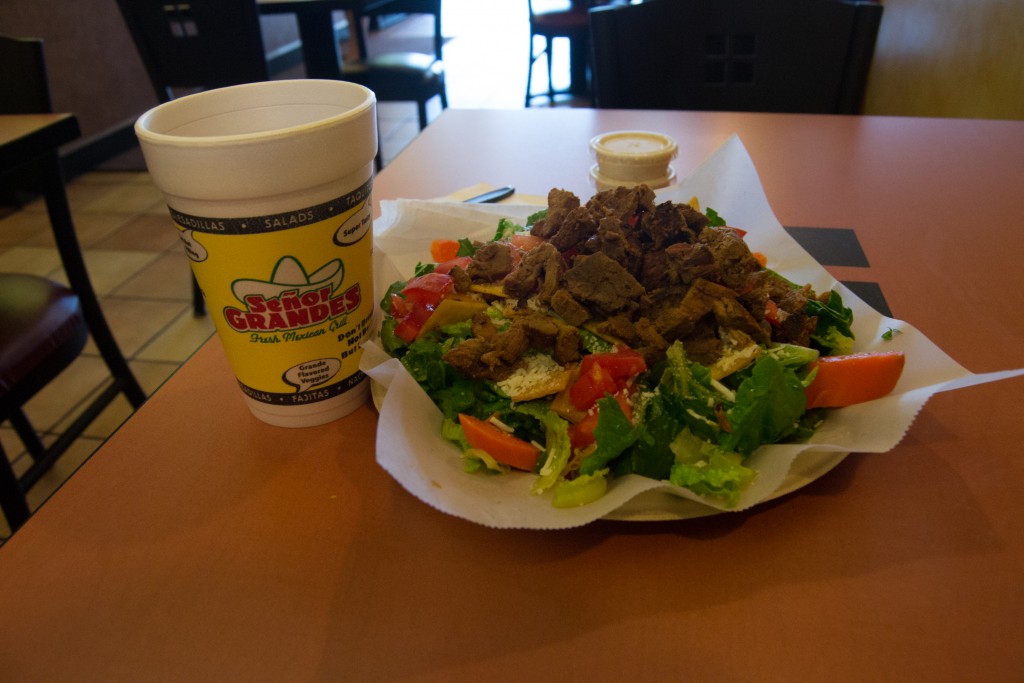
{"x":558,"y":450}
{"x":767,"y":407}
{"x":707,"y":469}
{"x":613,"y":434}
{"x":833,"y":334}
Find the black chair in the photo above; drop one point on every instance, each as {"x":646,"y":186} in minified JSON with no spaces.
{"x":400,"y":76}
{"x":44,"y":325}
{"x":569,"y":21}
{"x":374,"y":9}
{"x":203,"y":44}
{"x":801,"y":56}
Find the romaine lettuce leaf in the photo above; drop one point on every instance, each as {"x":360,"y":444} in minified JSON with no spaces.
{"x":613,"y":434}
{"x":558,"y":449}
{"x":768,"y":405}
{"x":833,"y":334}
{"x":708,"y":470}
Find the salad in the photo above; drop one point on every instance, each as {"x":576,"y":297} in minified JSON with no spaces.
{"x":623,"y":336}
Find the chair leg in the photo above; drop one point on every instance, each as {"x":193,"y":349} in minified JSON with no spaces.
{"x":438,"y":36}
{"x":421,"y":111}
{"x":529,"y":73}
{"x":12,"y":500}
{"x":74,"y":266}
{"x":198,"y":303}
{"x":548,"y":45}
{"x":27,"y":433}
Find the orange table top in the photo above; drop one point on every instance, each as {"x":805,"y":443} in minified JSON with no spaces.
{"x":199,"y":543}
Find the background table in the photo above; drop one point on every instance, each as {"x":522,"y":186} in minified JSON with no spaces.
{"x":199,"y":543}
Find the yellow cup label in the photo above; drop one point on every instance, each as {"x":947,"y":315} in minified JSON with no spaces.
{"x":291,"y":295}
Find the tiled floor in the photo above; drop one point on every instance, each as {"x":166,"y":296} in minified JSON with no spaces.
{"x":134,"y":257}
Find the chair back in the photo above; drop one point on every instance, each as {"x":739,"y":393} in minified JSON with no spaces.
{"x":23,"y":79}
{"x":197,"y":44}
{"x":802,"y":56}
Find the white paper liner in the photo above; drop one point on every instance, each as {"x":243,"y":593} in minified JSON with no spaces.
{"x":411,"y":449}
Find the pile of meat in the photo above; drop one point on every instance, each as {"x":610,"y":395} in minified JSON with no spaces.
{"x":633,"y":271}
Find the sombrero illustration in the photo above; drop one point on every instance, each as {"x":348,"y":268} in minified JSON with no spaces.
{"x":289,"y":275}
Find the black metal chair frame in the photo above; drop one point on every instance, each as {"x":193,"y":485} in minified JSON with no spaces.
{"x":578,"y":37}
{"x":25,"y":90}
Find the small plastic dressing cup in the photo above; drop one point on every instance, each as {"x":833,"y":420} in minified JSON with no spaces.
{"x":633,"y":157}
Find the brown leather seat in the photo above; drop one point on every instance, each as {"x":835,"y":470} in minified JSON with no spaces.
{"x":41,"y":331}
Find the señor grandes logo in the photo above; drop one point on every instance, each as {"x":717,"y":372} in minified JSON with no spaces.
{"x":291,"y":299}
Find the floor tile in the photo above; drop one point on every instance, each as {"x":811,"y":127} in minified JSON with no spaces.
{"x":108,"y":268}
{"x":90,"y":228}
{"x":179,"y":339}
{"x":43,"y":261}
{"x":128,"y":196}
{"x":167,"y":277}
{"x":141,"y":232}
{"x":22,"y":226}
{"x":136,"y":322}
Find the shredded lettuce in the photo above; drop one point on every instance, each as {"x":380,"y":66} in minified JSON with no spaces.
{"x":581,"y":490}
{"x":833,"y":334}
{"x":558,"y":450}
{"x":708,"y":470}
{"x":506,"y":228}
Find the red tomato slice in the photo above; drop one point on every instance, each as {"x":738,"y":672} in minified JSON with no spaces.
{"x":429,"y":289}
{"x":525,"y":241}
{"x":446,"y":267}
{"x":592,"y":384}
{"x":622,"y":364}
{"x":581,"y":434}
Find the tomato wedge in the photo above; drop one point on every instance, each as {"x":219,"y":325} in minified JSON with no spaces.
{"x":592,"y":384}
{"x":622,"y":364}
{"x":429,"y":289}
{"x":501,"y":445}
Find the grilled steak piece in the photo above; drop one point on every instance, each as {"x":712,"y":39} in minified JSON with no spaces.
{"x":601,"y":284}
{"x":676,"y":314}
{"x":678,"y":264}
{"x":619,"y":242}
{"x":461,"y":279}
{"x":538,"y":273}
{"x":733,"y":257}
{"x":548,"y":334}
{"x":491,"y":262}
{"x":671,"y":223}
{"x":560,"y":203}
{"x":568,"y":308}
{"x":731,"y":314}
{"x":475,"y":358}
{"x":622,"y":203}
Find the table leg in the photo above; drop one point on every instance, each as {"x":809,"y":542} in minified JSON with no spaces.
{"x":319,"y":48}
